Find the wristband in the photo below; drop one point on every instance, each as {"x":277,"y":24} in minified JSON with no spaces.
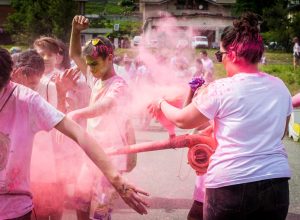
{"x":159,"y":103}
{"x":196,"y":83}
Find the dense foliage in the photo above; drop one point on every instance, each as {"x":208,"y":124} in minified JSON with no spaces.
{"x":33,"y":18}
{"x":280,"y":20}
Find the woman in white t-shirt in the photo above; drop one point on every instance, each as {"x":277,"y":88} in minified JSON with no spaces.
{"x":23,"y":113}
{"x":296,"y":52}
{"x":248,"y":174}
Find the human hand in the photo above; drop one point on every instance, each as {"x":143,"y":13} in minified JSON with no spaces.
{"x":196,"y":82}
{"x":154,"y":108}
{"x":130,"y":195}
{"x":155,"y":111}
{"x":74,"y":115}
{"x":67,"y":80}
{"x":80,"y":23}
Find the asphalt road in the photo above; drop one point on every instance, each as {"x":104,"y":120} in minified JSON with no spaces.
{"x":170,"y":181}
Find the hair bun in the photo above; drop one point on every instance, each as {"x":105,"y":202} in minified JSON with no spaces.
{"x":247,"y":24}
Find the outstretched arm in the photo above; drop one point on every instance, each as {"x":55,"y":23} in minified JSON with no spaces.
{"x":79,"y":23}
{"x":94,"y":110}
{"x":186,"y":118}
{"x":90,"y":146}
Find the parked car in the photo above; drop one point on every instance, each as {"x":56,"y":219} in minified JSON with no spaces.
{"x":294,"y":125}
{"x":199,"y":42}
{"x":274,"y":46}
{"x":136,"y":40}
{"x":215,"y":45}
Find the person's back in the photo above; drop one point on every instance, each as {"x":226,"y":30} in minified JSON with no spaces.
{"x":27,"y":107}
{"x":248,"y":174}
{"x":252,"y":104}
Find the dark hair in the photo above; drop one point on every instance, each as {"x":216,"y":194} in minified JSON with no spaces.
{"x":48,"y":43}
{"x":295,"y":40}
{"x":244,"y":38}
{"x":64,"y":52}
{"x":30,"y":62}
{"x":6,"y":65}
{"x":102,"y":49}
{"x":204,"y":52}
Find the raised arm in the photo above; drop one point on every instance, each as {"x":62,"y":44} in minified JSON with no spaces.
{"x":79,"y":24}
{"x":90,"y":146}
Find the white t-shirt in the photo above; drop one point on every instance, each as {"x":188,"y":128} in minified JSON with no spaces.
{"x":296,"y":49}
{"x":249,"y":112}
{"x":109,"y":128}
{"x":24,"y":115}
{"x":208,"y":65}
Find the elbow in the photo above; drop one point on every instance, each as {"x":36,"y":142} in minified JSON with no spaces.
{"x":182,"y":126}
{"x":181,"y":123}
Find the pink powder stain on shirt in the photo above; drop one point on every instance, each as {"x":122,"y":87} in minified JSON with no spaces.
{"x":13,"y":178}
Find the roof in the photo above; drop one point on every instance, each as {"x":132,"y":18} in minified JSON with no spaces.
{"x":5,"y":2}
{"x":202,"y":14}
{"x":97,"y":31}
{"x":210,"y":1}
{"x":225,"y":1}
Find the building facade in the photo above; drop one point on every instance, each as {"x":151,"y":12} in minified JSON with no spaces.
{"x":202,"y":17}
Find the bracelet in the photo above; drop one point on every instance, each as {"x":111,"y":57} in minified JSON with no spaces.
{"x":196,"y":83}
{"x":159,"y":103}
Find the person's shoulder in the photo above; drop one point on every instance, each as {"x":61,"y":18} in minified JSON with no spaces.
{"x":23,"y":91}
{"x":223,"y":86}
{"x":276,"y":79}
{"x":25,"y":95}
{"x":118,"y":80}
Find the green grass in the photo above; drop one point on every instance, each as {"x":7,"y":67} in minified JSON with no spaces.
{"x":279,"y":58}
{"x":285,"y":72}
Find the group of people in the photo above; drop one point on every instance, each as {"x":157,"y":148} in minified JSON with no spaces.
{"x":248,"y":174}
{"x":25,"y":113}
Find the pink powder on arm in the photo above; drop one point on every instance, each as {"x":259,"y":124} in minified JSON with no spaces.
{"x":296,"y":100}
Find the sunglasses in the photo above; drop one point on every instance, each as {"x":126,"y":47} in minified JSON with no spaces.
{"x":97,"y":41}
{"x":219,"y":55}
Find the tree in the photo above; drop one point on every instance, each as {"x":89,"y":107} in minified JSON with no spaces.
{"x":277,"y":26}
{"x":256,"y":6}
{"x":33,"y":18}
{"x":295,"y":25}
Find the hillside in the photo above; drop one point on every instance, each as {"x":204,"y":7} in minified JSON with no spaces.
{"x":111,"y":7}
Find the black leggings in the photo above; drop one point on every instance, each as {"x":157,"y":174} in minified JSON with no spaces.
{"x":24,"y":217}
{"x":196,"y":212}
